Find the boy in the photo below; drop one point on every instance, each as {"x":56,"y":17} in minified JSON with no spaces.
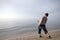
{"x":42,"y":25}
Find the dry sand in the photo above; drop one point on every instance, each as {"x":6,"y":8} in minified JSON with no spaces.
{"x":34,"y":36}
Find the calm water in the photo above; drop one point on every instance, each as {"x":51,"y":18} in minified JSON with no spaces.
{"x":13,"y":27}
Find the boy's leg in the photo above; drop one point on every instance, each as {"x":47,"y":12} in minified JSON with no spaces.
{"x":44,"y":29}
{"x":39,"y":30}
{"x":46,"y":32}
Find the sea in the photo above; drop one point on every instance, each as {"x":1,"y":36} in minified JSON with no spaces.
{"x":14,"y":27}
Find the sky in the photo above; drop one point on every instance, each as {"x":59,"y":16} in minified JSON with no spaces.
{"x":30,"y":9}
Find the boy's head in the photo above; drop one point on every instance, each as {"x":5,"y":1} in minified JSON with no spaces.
{"x":46,"y":14}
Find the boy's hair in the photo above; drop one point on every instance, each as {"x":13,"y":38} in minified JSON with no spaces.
{"x":46,"y":14}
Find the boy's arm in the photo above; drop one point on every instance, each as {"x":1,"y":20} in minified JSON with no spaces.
{"x":43,"y":18}
{"x":39,"y":21}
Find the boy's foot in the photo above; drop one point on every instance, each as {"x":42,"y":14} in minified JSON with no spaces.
{"x":49,"y":37}
{"x":40,"y":36}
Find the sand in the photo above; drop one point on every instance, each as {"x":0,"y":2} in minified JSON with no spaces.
{"x":34,"y":36}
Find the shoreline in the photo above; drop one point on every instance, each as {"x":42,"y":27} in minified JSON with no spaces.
{"x":34,"y":36}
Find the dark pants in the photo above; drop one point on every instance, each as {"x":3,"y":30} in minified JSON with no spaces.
{"x":42,"y":27}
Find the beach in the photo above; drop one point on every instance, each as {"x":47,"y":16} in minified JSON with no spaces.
{"x":34,"y":36}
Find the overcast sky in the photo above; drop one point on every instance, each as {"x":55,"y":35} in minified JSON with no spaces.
{"x":29,"y":9}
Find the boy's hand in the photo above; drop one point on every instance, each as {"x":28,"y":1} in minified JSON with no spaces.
{"x":38,"y":22}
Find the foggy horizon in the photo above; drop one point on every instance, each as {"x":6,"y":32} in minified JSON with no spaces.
{"x":28,"y":11}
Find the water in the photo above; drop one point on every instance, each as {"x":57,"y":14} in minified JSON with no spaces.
{"x":13,"y":27}
{"x":8,"y":27}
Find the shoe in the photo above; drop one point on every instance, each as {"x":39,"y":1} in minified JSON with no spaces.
{"x":40,"y":36}
{"x":49,"y":37}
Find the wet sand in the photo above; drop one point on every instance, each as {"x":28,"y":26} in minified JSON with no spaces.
{"x":34,"y":36}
